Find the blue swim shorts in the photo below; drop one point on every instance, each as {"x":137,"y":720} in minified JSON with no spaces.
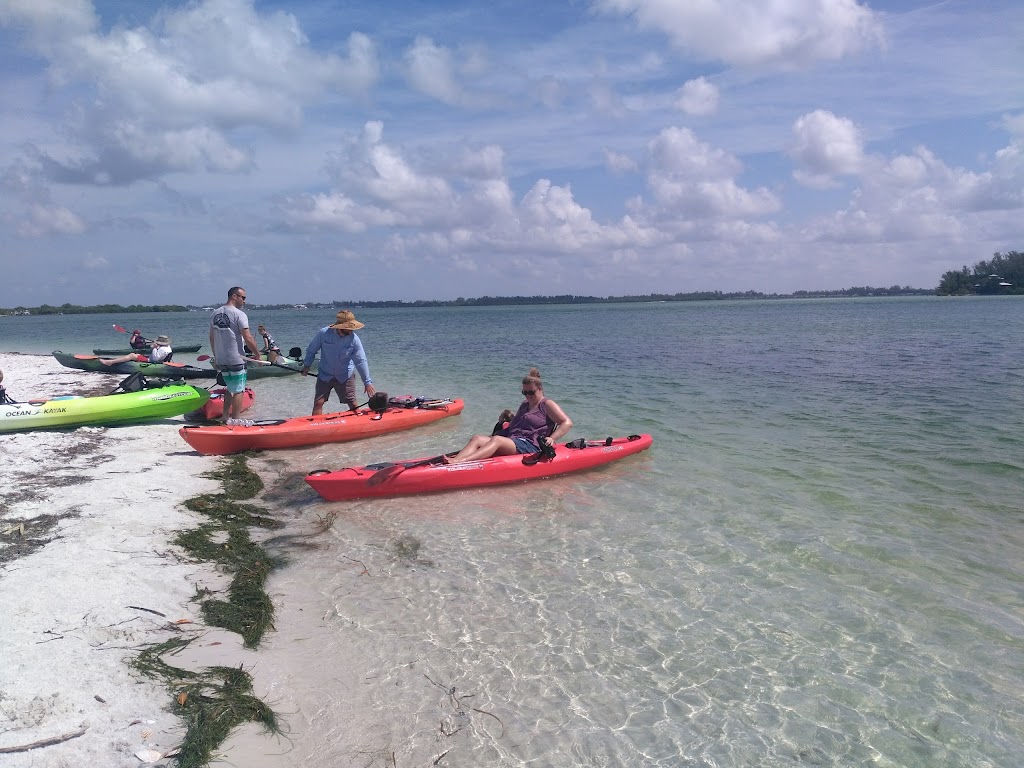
{"x":234,"y":381}
{"x":525,"y":446}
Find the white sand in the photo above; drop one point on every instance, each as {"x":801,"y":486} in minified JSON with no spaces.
{"x":76,"y":611}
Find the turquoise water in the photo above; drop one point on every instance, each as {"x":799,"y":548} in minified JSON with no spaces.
{"x":819,"y":562}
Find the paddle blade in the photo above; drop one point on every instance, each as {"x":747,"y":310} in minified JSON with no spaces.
{"x":383,"y":475}
{"x":119,"y":328}
{"x":201,"y":358}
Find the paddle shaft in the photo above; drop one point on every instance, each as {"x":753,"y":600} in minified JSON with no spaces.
{"x":202,"y":358}
{"x":125,"y":330}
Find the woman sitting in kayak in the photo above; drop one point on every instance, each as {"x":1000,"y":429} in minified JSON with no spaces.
{"x":161,"y":352}
{"x":537,"y":420}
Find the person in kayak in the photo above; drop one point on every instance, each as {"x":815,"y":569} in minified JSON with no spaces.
{"x":159,"y":352}
{"x":138,"y":341}
{"x":538,"y":421}
{"x":5,"y":399}
{"x":341,"y":355}
{"x":229,"y":335}
{"x":270,"y":347}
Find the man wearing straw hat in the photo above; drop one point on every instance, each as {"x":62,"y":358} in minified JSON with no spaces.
{"x":341,"y":355}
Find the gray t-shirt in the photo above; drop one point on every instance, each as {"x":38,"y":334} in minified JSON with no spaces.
{"x":227,"y":325}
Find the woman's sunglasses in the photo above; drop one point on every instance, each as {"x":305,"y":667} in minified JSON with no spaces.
{"x":529,"y":391}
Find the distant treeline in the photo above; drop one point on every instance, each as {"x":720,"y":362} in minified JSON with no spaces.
{"x":99,"y":309}
{"x":1003,"y":274}
{"x":488,"y":301}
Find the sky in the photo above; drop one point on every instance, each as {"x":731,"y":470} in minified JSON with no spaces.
{"x":161,"y":151}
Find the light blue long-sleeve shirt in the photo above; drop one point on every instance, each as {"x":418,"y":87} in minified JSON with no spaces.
{"x":340,"y":356}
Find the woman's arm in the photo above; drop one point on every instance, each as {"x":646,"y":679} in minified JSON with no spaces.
{"x":562,"y":422}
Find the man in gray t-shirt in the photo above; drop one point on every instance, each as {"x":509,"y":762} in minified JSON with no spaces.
{"x":229,"y":335}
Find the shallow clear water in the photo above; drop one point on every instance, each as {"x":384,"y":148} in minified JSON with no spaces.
{"x":819,"y":561}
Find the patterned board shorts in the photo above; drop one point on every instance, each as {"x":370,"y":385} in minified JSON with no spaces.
{"x":234,"y":381}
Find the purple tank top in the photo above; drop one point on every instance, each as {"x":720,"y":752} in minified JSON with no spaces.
{"x":531,"y":424}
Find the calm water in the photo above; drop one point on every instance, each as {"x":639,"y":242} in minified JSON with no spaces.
{"x":819,"y":562}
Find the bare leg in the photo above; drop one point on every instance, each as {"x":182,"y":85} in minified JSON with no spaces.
{"x":236,"y":406}
{"x":318,"y":405}
{"x":484,"y":447}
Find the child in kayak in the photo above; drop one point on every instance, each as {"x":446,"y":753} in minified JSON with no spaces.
{"x":538,"y":421}
{"x":270,"y":347}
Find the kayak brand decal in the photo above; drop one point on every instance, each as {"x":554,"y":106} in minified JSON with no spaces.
{"x":172,"y":396}
{"x":34,"y":412}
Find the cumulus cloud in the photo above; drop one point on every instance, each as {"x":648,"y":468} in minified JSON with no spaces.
{"x":469,"y":211}
{"x":41,"y":216}
{"x":749,"y":32}
{"x":41,"y":220}
{"x":691,"y":180}
{"x":697,"y":97}
{"x":168,"y":97}
{"x":917,"y":196}
{"x":430,"y":69}
{"x":825,"y":146}
{"x":619,"y":163}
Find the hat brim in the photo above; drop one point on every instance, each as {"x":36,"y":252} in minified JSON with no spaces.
{"x":355,"y":325}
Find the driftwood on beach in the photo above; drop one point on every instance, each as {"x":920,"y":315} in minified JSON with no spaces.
{"x":44,"y":742}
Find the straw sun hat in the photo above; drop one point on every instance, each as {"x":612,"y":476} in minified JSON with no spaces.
{"x":346,"y":321}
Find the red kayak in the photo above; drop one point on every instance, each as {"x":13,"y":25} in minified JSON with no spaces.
{"x":314,"y":430}
{"x":428,"y":475}
{"x":214,"y":407}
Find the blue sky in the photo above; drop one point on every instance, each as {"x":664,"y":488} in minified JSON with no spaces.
{"x":161,"y":151}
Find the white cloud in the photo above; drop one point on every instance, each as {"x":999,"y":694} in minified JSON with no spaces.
{"x":41,"y":220}
{"x":472,"y":212}
{"x":825,"y":146}
{"x":751,"y":32}
{"x":697,"y":97}
{"x":919,"y":197}
{"x":618,"y":163}
{"x":92,"y":262}
{"x":169,"y":97}
{"x":430,"y":69}
{"x":484,"y":163}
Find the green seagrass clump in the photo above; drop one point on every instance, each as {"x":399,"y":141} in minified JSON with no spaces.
{"x":216,"y":699}
{"x":212,"y":701}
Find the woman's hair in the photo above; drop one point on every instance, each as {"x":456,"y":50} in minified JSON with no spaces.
{"x":533,"y":378}
{"x":261,"y":328}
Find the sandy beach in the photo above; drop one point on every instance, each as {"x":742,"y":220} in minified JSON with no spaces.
{"x":88,"y":577}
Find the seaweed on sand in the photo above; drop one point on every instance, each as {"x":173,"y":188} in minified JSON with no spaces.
{"x":212,"y":701}
{"x":216,"y":699}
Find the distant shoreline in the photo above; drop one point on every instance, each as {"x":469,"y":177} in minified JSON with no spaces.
{"x":483,"y":301}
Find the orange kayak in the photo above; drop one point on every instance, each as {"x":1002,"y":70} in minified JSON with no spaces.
{"x":314,"y":430}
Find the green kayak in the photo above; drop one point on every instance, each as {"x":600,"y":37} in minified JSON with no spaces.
{"x":124,"y":408}
{"x":152,"y":370}
{"x":188,"y":349}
